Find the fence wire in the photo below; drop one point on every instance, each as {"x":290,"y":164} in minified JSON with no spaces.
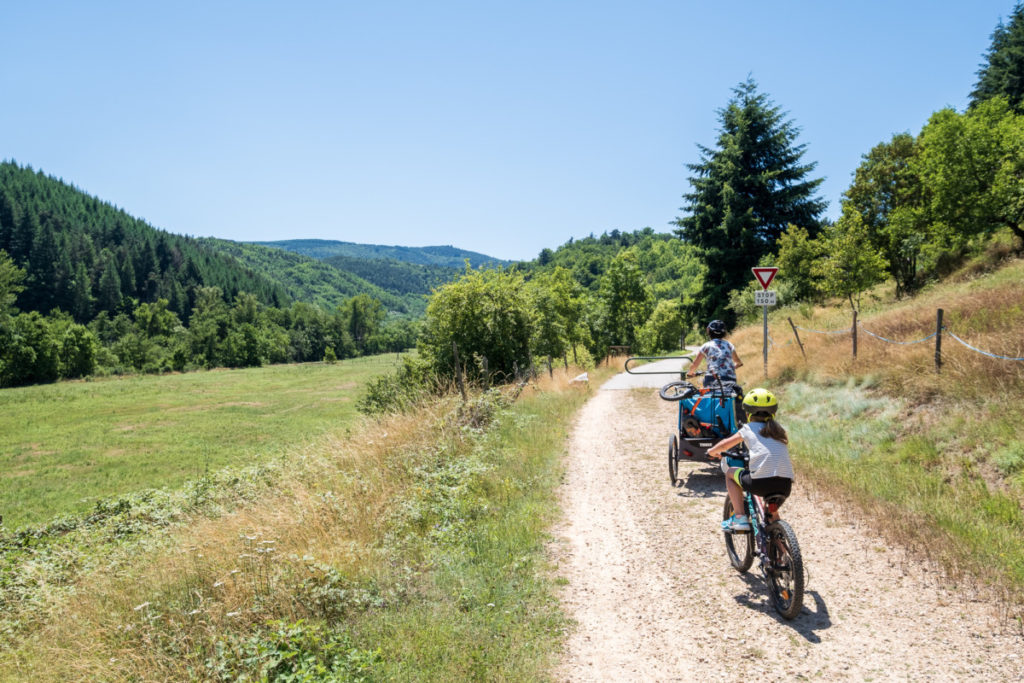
{"x":823,"y":331}
{"x":984,"y":353}
{"x":906,"y":343}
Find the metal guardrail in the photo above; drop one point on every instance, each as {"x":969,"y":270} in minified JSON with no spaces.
{"x":655,"y":358}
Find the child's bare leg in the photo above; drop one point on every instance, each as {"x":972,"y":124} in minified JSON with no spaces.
{"x":735,"y":493}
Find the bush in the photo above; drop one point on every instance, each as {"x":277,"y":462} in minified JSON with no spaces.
{"x":487,"y":313}
{"x":401,"y":390}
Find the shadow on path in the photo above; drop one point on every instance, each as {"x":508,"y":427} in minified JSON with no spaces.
{"x":807,"y":623}
{"x":702,"y":483}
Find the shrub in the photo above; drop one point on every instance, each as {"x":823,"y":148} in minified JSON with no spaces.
{"x":400,"y":390}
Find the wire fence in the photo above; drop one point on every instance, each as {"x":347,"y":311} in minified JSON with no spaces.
{"x":904,"y":343}
{"x":940,"y":329}
{"x":984,"y":353}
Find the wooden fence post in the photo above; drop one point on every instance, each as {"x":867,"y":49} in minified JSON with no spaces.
{"x":551,"y":373}
{"x":938,"y":341}
{"x":797,"y":335}
{"x":487,"y":373}
{"x":458,"y":372}
{"x":854,"y":329}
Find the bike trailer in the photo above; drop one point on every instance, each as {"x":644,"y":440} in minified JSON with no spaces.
{"x":706,"y":415}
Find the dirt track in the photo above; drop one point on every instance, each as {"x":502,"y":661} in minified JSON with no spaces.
{"x":656,"y":599}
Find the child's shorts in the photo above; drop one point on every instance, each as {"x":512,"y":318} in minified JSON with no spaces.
{"x":767,"y":486}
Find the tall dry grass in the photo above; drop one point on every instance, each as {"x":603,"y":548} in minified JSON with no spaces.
{"x":987,"y":313}
{"x":143,"y":620}
{"x":318,"y":547}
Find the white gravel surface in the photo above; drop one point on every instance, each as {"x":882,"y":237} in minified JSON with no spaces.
{"x":654,"y":596}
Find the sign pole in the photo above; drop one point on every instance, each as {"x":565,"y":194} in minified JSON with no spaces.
{"x":765,"y":298}
{"x":765,"y":309}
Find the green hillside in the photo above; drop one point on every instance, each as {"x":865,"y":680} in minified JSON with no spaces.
{"x":427,"y":256}
{"x":324,"y":283}
{"x":85,"y":256}
{"x":397,"y":277}
{"x":87,"y":289}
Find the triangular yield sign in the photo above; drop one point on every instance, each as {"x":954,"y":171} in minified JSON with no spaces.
{"x":765,"y":275}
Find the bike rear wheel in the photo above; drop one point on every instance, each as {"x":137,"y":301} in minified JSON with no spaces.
{"x":739,"y":546}
{"x":673,"y":459}
{"x":785,"y":570}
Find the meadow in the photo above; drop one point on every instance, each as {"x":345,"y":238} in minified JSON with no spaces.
{"x":412,"y":547}
{"x":66,"y":445}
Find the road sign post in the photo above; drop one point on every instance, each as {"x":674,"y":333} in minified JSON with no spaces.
{"x":765,"y":298}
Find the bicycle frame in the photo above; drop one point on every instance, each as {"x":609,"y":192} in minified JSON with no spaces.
{"x":773,"y":542}
{"x":756,"y":508}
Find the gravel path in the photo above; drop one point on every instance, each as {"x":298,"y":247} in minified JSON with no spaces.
{"x":655,"y":598}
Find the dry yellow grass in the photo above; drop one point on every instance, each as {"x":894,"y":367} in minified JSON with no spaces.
{"x":986,"y":313}
{"x":327,"y":513}
{"x":145,"y":616}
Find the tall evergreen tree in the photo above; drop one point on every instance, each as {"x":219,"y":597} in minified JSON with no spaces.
{"x":745,"y":193}
{"x":1002,"y":73}
{"x":42,"y":270}
{"x":109,"y":297}
{"x":81,"y":302}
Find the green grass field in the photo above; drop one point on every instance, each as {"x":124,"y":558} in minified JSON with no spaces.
{"x":67,"y":444}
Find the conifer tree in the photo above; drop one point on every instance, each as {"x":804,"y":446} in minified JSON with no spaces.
{"x":1002,"y":73}
{"x":744,"y":195}
{"x":109,"y":298}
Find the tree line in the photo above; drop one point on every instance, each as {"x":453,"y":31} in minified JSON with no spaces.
{"x":150,"y":338}
{"x":919,"y":206}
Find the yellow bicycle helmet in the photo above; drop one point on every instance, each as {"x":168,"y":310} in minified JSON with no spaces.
{"x":760,"y":400}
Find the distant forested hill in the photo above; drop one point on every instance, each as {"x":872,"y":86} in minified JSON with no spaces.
{"x":397,"y":277}
{"x":85,"y":256}
{"x":428,"y":256}
{"x":328,"y":284}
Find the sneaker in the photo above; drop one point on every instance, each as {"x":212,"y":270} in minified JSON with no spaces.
{"x":736,"y":523}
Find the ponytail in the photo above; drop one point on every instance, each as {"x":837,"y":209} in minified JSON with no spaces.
{"x":771,"y":429}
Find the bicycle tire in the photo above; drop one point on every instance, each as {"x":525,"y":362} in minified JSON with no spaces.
{"x":673,"y":460}
{"x":739,"y":547}
{"x":785,"y":570}
{"x":676,"y":391}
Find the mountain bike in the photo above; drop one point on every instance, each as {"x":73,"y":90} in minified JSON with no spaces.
{"x":773,"y":542}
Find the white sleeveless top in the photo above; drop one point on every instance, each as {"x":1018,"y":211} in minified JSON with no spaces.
{"x":768,"y":457}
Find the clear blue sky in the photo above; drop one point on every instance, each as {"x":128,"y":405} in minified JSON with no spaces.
{"x":502,"y":128}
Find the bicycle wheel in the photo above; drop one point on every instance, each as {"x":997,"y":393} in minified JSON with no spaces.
{"x":785,"y":570}
{"x":739,"y":546}
{"x":677,"y":390}
{"x":673,"y":459}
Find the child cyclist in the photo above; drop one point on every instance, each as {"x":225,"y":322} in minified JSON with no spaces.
{"x":770,"y":471}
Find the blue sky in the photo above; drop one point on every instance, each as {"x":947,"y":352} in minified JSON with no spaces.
{"x":502,"y":128}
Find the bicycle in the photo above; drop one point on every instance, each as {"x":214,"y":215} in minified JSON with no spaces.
{"x":773,"y":542}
